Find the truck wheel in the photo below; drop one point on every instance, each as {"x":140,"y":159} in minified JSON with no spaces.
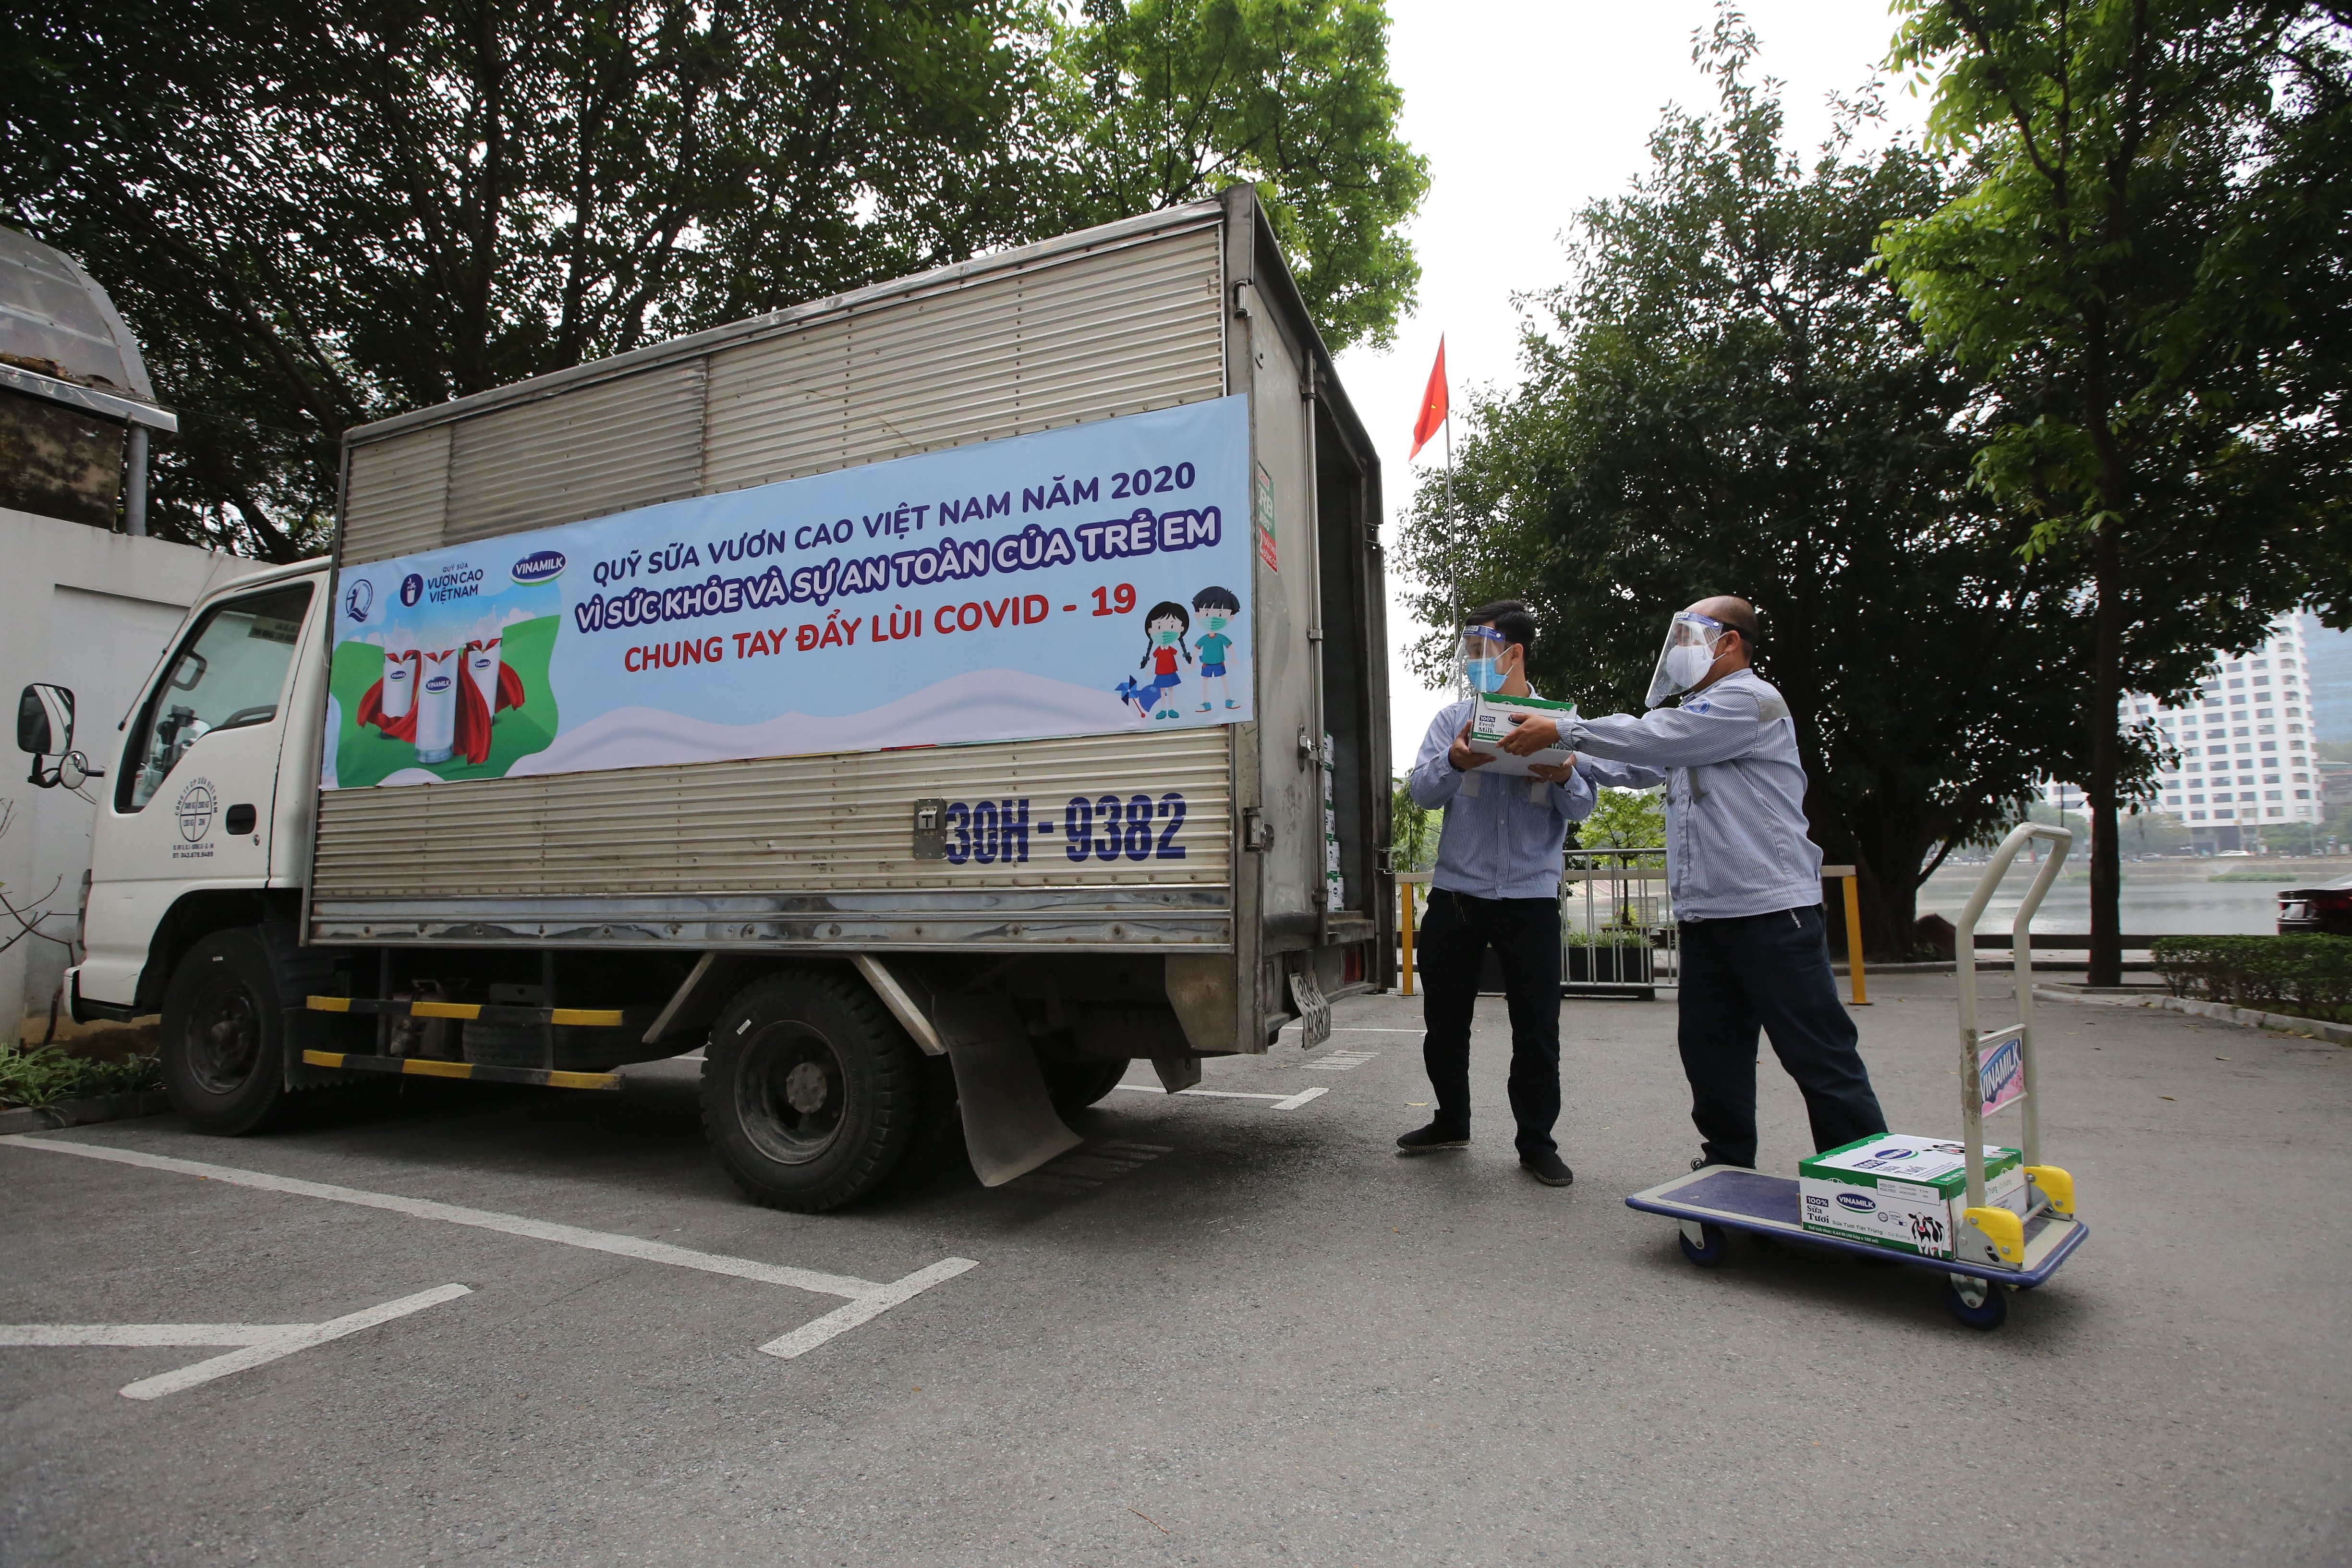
{"x":811,"y":1093}
{"x":1076,"y":1082}
{"x":224,"y":1046}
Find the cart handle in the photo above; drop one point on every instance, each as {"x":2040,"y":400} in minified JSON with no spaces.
{"x":2021,"y":946}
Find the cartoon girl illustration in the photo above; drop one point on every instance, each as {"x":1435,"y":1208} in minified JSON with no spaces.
{"x":1216,"y":608}
{"x":1164,"y":626}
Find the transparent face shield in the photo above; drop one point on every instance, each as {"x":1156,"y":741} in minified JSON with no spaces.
{"x":1478,"y":668}
{"x":1692,"y":641}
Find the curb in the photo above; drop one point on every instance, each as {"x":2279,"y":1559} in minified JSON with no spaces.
{"x":2244,"y":1017}
{"x":82,"y":1112}
{"x":1986,"y":967}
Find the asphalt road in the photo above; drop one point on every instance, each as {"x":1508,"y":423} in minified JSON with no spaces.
{"x":1223,"y":1333}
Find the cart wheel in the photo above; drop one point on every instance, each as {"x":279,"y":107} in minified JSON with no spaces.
{"x":1708,"y":1249}
{"x":1978,"y":1304}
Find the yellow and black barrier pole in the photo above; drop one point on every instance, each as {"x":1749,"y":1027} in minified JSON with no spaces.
{"x":1853,"y":930}
{"x":1406,"y":882}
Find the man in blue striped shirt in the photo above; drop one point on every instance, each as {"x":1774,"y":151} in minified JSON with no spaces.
{"x":1497,"y":885}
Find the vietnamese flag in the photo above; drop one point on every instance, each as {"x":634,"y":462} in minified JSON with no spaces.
{"x":1432,"y":405}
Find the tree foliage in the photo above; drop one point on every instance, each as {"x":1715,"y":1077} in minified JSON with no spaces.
{"x":1726,"y":398}
{"x":1413,"y":829}
{"x":1625,"y":819}
{"x":318,"y":215}
{"x":1165,"y":101}
{"x":2129,"y":266}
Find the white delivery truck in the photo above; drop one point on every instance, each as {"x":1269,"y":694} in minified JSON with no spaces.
{"x":955,"y":689}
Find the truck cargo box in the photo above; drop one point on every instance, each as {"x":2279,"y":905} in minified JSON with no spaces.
{"x":1242,"y":888}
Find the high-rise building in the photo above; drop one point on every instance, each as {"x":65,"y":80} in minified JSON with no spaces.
{"x":2247,"y":749}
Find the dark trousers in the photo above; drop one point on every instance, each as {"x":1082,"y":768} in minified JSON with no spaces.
{"x":1449,"y":950}
{"x":1771,"y":971}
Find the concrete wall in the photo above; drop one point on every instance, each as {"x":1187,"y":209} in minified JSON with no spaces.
{"x":92,"y":611}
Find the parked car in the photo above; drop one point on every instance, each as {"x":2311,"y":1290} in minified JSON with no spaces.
{"x":2303,"y":911}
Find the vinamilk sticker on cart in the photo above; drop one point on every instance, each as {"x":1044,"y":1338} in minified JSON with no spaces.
{"x":1085,"y":581}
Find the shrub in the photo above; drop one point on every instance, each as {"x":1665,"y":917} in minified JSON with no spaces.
{"x":48,"y":1076}
{"x":2308,"y":976}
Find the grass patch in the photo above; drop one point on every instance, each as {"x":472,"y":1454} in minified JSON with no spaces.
{"x":48,"y":1076}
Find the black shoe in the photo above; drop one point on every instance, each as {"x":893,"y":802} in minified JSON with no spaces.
{"x":1547,"y":1168}
{"x":1432,"y":1137}
{"x":1700,"y":1161}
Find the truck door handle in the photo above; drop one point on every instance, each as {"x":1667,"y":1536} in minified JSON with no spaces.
{"x":240,"y":819}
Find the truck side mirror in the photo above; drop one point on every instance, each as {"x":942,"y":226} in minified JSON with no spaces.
{"x":45,"y":720}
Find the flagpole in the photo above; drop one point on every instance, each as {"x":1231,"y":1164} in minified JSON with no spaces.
{"x":1454,"y":516}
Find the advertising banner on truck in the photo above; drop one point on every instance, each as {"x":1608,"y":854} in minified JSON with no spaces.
{"x":1075,"y":582}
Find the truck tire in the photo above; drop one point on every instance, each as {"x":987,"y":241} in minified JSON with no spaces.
{"x":811,"y":1094}
{"x":1076,"y":1082}
{"x":224,"y":1045}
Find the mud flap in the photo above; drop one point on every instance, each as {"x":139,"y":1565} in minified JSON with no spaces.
{"x":1009,"y":1125}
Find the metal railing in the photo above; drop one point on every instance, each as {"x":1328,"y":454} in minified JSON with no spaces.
{"x":1617,"y":929}
{"x":1618,"y":935}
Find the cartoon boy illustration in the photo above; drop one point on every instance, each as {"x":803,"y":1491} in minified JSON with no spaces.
{"x":1216,"y":608}
{"x":1164,"y":626}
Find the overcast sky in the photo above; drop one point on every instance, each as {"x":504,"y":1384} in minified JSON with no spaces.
{"x":1527,"y":111}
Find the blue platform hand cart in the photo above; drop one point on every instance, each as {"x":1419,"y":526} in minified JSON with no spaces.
{"x":1994,"y":1249}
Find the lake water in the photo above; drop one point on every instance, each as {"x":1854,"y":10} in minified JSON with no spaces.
{"x":2159,"y":897}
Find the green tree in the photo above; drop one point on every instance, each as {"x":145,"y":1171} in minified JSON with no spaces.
{"x":318,"y":215}
{"x":2113,"y":269}
{"x":1413,"y":829}
{"x":1625,"y":819}
{"x":315,"y":214}
{"x":1158,"y":102}
{"x":1727,"y":399}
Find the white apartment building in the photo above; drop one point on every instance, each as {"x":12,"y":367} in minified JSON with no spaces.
{"x":2248,"y":755}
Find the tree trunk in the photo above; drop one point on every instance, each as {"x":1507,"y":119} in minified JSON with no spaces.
{"x":2106,"y":695}
{"x":1888,"y":858}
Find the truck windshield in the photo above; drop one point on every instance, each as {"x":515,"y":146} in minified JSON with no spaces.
{"x":228,"y":674}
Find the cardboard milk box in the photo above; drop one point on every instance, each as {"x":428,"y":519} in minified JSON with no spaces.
{"x":1493,"y":718}
{"x":1901,"y":1193}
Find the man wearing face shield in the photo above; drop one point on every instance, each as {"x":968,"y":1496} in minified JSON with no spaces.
{"x":1745,"y":875}
{"x":1497,"y":885}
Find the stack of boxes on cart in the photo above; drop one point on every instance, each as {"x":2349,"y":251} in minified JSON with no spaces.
{"x":1905,"y":1193}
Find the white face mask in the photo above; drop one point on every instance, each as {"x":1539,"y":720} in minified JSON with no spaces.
{"x":1692,"y":642}
{"x":1687,"y":665}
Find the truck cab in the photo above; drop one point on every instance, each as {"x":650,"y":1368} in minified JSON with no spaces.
{"x":197,"y":829}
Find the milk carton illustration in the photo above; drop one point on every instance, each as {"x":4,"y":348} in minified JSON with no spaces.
{"x":390,"y":704}
{"x":437,"y":705}
{"x":482,"y":658}
{"x":399,"y":683}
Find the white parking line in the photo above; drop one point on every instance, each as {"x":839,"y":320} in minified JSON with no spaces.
{"x":841,"y":1320}
{"x":261,"y":1343}
{"x":881,"y":1296}
{"x":1339,"y":1061}
{"x":1281,"y":1102}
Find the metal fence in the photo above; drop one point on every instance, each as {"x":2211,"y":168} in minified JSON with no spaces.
{"x":1617,"y":931}
{"x":1618,"y":936}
